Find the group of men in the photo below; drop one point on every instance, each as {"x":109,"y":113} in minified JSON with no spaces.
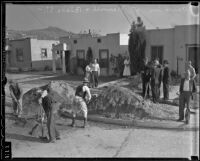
{"x":152,"y":76}
{"x":49,"y":104}
{"x":92,"y":73}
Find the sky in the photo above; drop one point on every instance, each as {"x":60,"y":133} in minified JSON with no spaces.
{"x":102,"y":19}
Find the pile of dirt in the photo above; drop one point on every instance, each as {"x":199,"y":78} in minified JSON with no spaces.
{"x":61,"y":92}
{"x":119,"y":100}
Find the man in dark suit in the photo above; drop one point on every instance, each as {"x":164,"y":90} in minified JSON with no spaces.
{"x":187,"y":88}
{"x":146,"y":76}
{"x":166,"y":80}
{"x":156,"y":80}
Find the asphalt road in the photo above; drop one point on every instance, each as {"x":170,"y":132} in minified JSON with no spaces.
{"x":100,"y":140}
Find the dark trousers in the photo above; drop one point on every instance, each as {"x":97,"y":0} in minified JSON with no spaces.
{"x":184,"y":99}
{"x":48,"y":108}
{"x":88,"y":75}
{"x":95,"y":78}
{"x":145,"y":86}
{"x":155,"y":88}
{"x":166,"y":90}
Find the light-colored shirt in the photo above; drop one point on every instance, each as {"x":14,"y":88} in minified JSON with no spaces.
{"x":44,"y":93}
{"x":192,"y":72}
{"x":88,"y":68}
{"x":95,"y":67}
{"x":87,"y":90}
{"x":186,"y":86}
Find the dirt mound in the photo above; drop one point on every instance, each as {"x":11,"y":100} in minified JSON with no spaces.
{"x":61,"y":92}
{"x":119,"y":100}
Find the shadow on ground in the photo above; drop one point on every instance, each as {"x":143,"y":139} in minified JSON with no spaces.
{"x":23,"y":137}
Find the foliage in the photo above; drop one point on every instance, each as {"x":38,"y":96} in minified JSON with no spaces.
{"x":89,"y":56}
{"x":117,"y":63}
{"x":47,"y":68}
{"x":136,"y":46}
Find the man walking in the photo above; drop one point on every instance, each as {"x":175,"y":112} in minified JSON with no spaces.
{"x":187,"y":87}
{"x":155,"y":81}
{"x":16,"y":93}
{"x":95,"y":73}
{"x":82,"y":96}
{"x":49,"y":106}
{"x":166,"y":80}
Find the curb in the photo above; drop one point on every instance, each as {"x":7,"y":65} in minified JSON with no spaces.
{"x":139,"y":124}
{"x":136,"y":123}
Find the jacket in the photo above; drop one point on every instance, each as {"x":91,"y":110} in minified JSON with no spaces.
{"x":192,"y":85}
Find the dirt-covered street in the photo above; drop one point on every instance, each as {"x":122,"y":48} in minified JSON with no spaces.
{"x":98,"y":139}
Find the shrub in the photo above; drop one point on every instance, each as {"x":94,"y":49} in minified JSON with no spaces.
{"x":47,"y":68}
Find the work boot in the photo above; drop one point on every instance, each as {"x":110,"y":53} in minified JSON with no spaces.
{"x":85,"y":122}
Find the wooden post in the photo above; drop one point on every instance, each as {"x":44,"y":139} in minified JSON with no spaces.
{"x":63,"y":62}
{"x":53,"y":59}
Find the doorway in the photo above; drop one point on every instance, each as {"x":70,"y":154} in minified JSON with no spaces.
{"x":67,"y":60}
{"x":194,"y":57}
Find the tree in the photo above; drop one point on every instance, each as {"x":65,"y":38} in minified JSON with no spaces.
{"x":89,"y":56}
{"x":136,"y":46}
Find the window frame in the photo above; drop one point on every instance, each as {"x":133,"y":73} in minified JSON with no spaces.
{"x":42,"y":56}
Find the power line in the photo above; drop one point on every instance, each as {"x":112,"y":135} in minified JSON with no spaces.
{"x":124,"y":15}
{"x":35,"y":16}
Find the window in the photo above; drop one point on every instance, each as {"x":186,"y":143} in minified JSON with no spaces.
{"x":75,"y":41}
{"x":43,"y":53}
{"x":104,"y":58}
{"x":19,"y":55}
{"x":99,"y":40}
{"x":157,"y":53}
{"x":80,"y":54}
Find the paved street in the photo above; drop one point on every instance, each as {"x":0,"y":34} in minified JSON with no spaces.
{"x":100,"y":140}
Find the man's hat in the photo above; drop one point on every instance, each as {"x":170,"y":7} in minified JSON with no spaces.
{"x":85,"y":80}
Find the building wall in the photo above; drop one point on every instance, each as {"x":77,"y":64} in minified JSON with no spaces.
{"x":184,"y":36}
{"x":110,"y":42}
{"x":38,"y":62}
{"x":24,"y":44}
{"x":163,"y":38}
{"x":175,"y":42}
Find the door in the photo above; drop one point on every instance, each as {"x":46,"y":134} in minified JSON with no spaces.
{"x":67,"y":60}
{"x":157,"y":53}
{"x":104,"y":61}
{"x":194,"y":57}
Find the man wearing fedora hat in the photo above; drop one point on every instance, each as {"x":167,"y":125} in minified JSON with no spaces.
{"x":166,"y":80}
{"x":82,"y":96}
{"x":49,"y":106}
